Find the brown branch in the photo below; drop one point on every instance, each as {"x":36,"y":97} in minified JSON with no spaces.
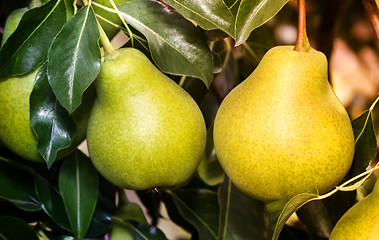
{"x":220,"y":96}
{"x":373,"y":13}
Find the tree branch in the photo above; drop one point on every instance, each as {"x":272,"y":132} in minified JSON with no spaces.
{"x":373,"y":13}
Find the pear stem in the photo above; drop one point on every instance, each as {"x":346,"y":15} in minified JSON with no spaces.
{"x":302,"y":43}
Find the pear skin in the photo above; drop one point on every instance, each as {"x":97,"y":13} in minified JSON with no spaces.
{"x":283,"y":131}
{"x":144,"y":130}
{"x":15,"y":131}
{"x":360,"y":222}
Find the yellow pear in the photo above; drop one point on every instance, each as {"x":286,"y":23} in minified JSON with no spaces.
{"x":144,"y":130}
{"x":283,"y":131}
{"x":360,"y":222}
{"x":15,"y":131}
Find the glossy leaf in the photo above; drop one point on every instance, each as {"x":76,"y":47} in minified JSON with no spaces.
{"x":208,"y":14}
{"x":51,"y":202}
{"x":27,"y":47}
{"x":78,"y":184}
{"x":365,"y":143}
{"x":54,"y":127}
{"x":240,"y":215}
{"x":74,"y":58}
{"x":280,"y":211}
{"x":15,"y":228}
{"x":144,"y":232}
{"x":17,"y":187}
{"x":200,"y":208}
{"x":254,"y":13}
{"x":176,"y":45}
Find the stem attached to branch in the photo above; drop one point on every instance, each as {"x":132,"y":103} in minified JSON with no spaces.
{"x":373,"y":13}
{"x":302,"y":43}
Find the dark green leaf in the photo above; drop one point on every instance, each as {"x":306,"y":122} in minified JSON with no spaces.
{"x":208,"y":14}
{"x":17,"y":187}
{"x":365,"y":143}
{"x":254,"y":13}
{"x":240,"y":215}
{"x":145,"y":232}
{"x":54,"y":127}
{"x":315,"y":216}
{"x":51,"y":202}
{"x":27,"y":47}
{"x":176,"y":45}
{"x":13,"y":228}
{"x":78,"y":183}
{"x":200,"y":208}
{"x":74,"y":58}
{"x":280,"y":211}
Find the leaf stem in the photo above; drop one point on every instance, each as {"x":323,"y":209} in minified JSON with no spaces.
{"x":374,"y":103}
{"x":302,"y":43}
{"x":123,"y":22}
{"x":182,"y":80}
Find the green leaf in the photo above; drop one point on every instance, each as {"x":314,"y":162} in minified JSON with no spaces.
{"x":365,"y":143}
{"x":176,"y":45}
{"x":209,"y":169}
{"x":15,"y":228}
{"x":17,"y":187}
{"x":254,"y":13}
{"x":27,"y":47}
{"x":208,"y":14}
{"x":54,"y":127}
{"x":280,"y":211}
{"x":200,"y":208}
{"x":78,"y":184}
{"x":235,"y":223}
{"x":51,"y":202}
{"x":74,"y":58}
{"x":145,"y":232}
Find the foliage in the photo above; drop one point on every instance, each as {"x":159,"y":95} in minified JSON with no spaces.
{"x":207,"y":47}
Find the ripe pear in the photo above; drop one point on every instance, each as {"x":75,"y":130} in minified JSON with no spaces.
{"x":15,"y":131}
{"x":360,"y":222}
{"x":144,"y":130}
{"x":283,"y":131}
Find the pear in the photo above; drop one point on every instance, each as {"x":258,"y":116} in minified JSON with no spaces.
{"x":15,"y":131}
{"x":12,"y":22}
{"x":360,"y":222}
{"x":283,"y":131}
{"x":144,"y":130}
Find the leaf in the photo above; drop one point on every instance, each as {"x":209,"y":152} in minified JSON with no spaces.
{"x":176,"y":45}
{"x":145,"y":232}
{"x":208,"y":14}
{"x":78,"y":183}
{"x":54,"y":127}
{"x":254,"y":13}
{"x":209,"y":169}
{"x":74,"y":58}
{"x":200,"y":208}
{"x":280,"y":211}
{"x":51,"y":202}
{"x":365,"y":143}
{"x":240,"y":215}
{"x":27,"y":47}
{"x":17,"y":187}
{"x":15,"y":228}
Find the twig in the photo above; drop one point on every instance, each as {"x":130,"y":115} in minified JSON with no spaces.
{"x":373,"y":13}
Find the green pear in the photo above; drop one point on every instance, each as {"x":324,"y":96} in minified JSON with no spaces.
{"x":15,"y":131}
{"x":360,"y":222}
{"x":144,"y":131}
{"x":12,"y":22}
{"x":283,"y":131}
